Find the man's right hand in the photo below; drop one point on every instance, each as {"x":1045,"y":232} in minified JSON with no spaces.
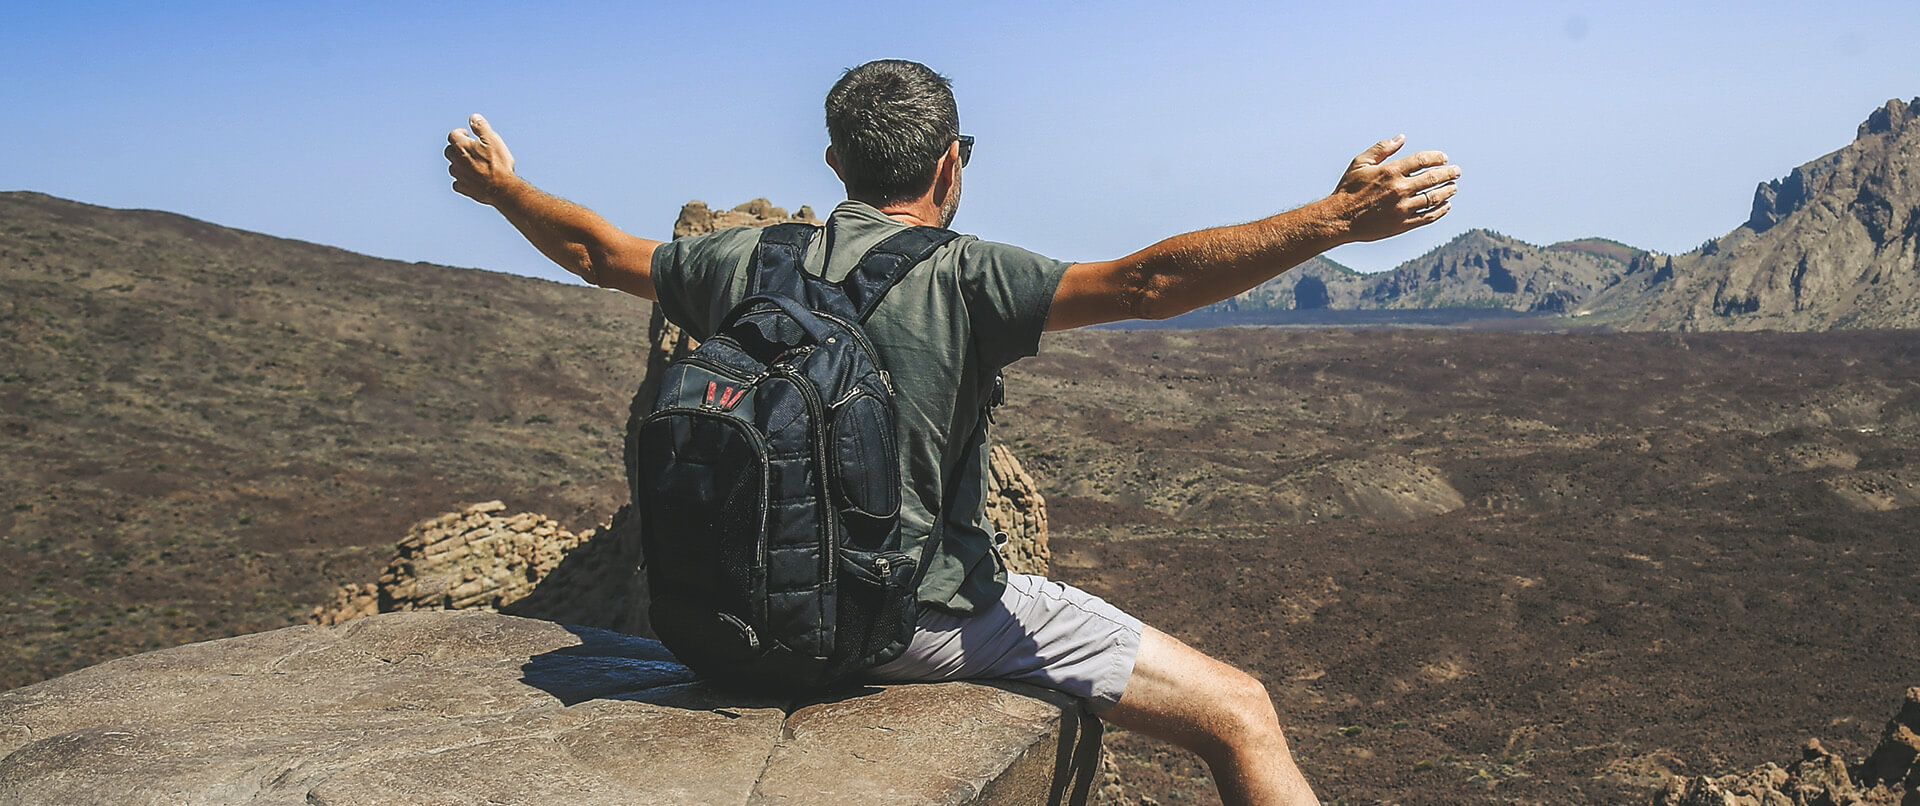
{"x":1380,"y":199}
{"x":479,"y":163}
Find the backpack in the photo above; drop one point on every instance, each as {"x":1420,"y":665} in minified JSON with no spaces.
{"x":767,"y":479}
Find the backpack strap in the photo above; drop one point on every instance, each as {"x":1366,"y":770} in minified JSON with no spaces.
{"x":776,"y":260}
{"x":886,"y":264}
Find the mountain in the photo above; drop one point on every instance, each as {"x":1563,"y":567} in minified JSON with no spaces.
{"x":1484,"y":269}
{"x":1478,"y":269}
{"x":1834,"y":244}
{"x":1317,"y":283}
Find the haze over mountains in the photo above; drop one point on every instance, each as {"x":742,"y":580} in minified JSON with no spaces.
{"x":1834,"y":244}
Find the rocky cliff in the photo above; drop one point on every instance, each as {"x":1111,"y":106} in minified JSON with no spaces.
{"x":1834,"y":244}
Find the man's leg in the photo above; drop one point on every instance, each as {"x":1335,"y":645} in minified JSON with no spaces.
{"x":1216,"y":711}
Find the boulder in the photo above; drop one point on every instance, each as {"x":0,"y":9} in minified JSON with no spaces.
{"x":456,"y":707}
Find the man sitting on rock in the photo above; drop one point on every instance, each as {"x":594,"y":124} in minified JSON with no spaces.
{"x":945,"y":331}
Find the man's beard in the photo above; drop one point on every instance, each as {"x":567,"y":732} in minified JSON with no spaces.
{"x":952,"y":205}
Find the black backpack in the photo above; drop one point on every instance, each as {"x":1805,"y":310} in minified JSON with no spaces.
{"x":768,"y":482}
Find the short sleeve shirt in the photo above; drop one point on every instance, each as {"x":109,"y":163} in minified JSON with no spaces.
{"x":944,"y":332}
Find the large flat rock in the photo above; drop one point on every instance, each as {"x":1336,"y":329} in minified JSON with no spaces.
{"x":469,"y":707}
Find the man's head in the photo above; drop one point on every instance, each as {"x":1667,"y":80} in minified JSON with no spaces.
{"x":889,"y":123}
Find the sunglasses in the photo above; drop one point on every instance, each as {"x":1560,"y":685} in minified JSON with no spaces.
{"x":966,"y":149}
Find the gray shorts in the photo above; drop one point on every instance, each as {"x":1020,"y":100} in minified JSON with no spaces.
{"x":1041,"y":632}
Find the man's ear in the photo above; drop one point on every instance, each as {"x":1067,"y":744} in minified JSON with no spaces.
{"x":834,"y":163}
{"x":946,"y":172}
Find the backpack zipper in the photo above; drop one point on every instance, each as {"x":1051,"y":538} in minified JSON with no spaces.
{"x":829,"y":548}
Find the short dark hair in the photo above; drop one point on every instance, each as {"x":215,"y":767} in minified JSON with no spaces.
{"x":888,"y":122}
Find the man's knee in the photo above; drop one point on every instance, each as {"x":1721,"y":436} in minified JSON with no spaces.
{"x":1252,"y":708}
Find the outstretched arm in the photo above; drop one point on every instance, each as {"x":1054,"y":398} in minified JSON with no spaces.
{"x":1374,"y":199}
{"x":573,"y":236}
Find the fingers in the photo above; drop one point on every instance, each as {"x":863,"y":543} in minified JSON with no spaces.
{"x":1378,"y":152}
{"x":1430,"y":215}
{"x":483,"y":130}
{"x":1415,"y":163}
{"x":1428,"y":198}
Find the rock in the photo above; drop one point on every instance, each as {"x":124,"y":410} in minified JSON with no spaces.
{"x":696,"y":218}
{"x":1015,"y":506}
{"x":458,"y":708}
{"x":524,"y":564}
{"x":1889,"y":777}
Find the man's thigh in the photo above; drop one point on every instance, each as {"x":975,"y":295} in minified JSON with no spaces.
{"x":1041,"y":632}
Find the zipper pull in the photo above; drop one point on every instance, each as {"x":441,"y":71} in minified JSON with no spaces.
{"x":886,"y":379}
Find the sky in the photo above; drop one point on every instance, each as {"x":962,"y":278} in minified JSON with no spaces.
{"x":1101,"y":127}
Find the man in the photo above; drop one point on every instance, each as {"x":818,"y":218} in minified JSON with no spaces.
{"x":944,"y":333}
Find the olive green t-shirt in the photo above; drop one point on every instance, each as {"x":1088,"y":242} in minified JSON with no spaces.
{"x":943,"y":333}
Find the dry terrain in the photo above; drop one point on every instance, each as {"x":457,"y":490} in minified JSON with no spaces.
{"x":1472,"y":566}
{"x":1500,"y":567}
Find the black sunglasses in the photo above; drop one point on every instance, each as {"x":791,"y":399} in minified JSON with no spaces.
{"x":966,"y":149}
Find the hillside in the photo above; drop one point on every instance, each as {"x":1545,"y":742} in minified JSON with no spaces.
{"x":1473,"y":567}
{"x":207,"y":429}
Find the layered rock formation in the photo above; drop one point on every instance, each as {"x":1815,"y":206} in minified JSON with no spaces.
{"x":1889,"y":777}
{"x":459,"y":708}
{"x":1834,"y":244}
{"x":524,"y":564}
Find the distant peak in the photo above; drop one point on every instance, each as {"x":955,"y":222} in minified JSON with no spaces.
{"x":1897,"y":114}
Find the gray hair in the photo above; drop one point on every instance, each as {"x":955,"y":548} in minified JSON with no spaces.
{"x":888,"y":122}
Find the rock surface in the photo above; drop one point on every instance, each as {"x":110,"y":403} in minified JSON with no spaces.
{"x":459,"y":708}
{"x":1889,"y":777}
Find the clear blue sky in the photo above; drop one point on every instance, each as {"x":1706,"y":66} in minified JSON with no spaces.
{"x":1101,"y":128}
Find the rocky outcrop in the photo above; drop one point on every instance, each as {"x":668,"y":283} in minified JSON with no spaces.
{"x":523,"y":564}
{"x":1889,"y":777}
{"x":696,"y":218}
{"x":1834,"y":244}
{"x":457,"y":708}
{"x":1015,"y":507}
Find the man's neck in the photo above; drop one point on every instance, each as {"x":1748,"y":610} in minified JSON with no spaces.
{"x":920,"y":212}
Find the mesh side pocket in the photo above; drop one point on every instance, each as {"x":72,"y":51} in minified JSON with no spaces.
{"x":876,"y":609}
